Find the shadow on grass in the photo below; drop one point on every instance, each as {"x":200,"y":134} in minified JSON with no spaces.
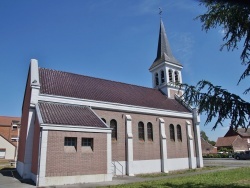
{"x":195,"y":185}
{"x":12,"y":173}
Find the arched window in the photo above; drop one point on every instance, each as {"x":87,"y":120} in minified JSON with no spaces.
{"x":176,"y":76}
{"x":156,"y":79}
{"x":179,"y":136}
{"x":141,"y":131}
{"x":162,"y":76}
{"x":170,"y":75}
{"x":150,"y":131}
{"x":171,"y":131}
{"x":104,"y":120}
{"x":113,"y":125}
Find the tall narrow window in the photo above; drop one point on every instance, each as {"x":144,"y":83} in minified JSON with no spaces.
{"x":156,"y":79}
{"x":150,"y":131}
{"x":113,"y":125}
{"x":179,"y":135}
{"x":104,"y":120}
{"x":171,"y":131}
{"x":170,"y":75}
{"x":162,"y":76}
{"x":141,"y":131}
{"x":176,"y":75}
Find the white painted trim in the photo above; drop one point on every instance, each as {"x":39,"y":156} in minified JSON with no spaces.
{"x":34,"y":77}
{"x":109,"y":154}
{"x":113,"y":106}
{"x":172,"y":65}
{"x":178,"y":164}
{"x":39,"y":115}
{"x":43,"y":157}
{"x":76,"y":128}
{"x":129,"y":148}
{"x":163,"y":145}
{"x":190,"y":142}
{"x":66,"y":180}
{"x":147,"y":166}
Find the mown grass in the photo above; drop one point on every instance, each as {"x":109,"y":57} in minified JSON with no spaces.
{"x":152,"y":175}
{"x":235,"y":178}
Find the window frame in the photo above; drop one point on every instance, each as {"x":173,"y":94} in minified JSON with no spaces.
{"x":170,"y":75}
{"x":162,"y":76}
{"x":150,"y":131}
{"x":156,"y":79}
{"x":141,"y":134}
{"x":172,"y":132}
{"x":179,"y":133}
{"x":113,"y":125}
{"x":87,"y":142}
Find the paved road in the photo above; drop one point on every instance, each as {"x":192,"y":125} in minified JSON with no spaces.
{"x":10,"y":178}
{"x":231,"y":162}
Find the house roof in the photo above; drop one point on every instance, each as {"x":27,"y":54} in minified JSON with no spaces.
{"x":225,"y":141}
{"x":7,"y":120}
{"x":164,"y":52}
{"x":84,"y":87}
{"x":243,"y":132}
{"x":240,"y":131}
{"x":54,"y":113}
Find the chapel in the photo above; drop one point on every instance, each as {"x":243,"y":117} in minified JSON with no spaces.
{"x":80,"y":129}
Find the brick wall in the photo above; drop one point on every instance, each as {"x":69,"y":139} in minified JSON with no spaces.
{"x":35,"y":150}
{"x":60,"y":163}
{"x":177,"y":148}
{"x":24,"y":121}
{"x":146,"y":150}
{"x":118,"y":146}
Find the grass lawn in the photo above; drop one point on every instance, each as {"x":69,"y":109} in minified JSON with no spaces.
{"x":236,"y":178}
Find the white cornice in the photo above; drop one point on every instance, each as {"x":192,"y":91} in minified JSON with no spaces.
{"x":75,"y":128}
{"x":113,"y":106}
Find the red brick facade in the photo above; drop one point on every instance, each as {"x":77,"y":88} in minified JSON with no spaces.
{"x":146,"y":150}
{"x":24,"y":121}
{"x":35,"y":150}
{"x":60,"y":163}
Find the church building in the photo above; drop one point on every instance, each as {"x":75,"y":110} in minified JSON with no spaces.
{"x":80,"y":129}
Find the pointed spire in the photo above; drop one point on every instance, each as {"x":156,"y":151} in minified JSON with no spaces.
{"x":164,"y":52}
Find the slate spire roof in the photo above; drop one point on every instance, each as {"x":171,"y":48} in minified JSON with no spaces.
{"x":164,"y":52}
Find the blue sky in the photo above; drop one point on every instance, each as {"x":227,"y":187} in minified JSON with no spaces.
{"x":111,"y":39}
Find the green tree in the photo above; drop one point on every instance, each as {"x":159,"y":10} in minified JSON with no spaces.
{"x":214,"y":101}
{"x":203,"y":135}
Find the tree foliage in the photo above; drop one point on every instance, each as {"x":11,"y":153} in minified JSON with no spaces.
{"x":214,"y":101}
{"x":218,"y":103}
{"x":234,"y":17}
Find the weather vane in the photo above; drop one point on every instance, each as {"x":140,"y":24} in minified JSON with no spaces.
{"x":160,"y":11}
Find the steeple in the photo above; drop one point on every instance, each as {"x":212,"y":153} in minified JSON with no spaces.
{"x":166,"y":70}
{"x":164,"y":52}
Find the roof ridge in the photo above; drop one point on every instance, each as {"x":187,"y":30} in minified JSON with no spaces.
{"x":98,"y":78}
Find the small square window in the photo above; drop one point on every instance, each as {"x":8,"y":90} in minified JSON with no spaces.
{"x":70,"y":144}
{"x":87,"y":144}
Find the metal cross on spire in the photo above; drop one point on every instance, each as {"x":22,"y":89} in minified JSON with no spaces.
{"x":160,"y":11}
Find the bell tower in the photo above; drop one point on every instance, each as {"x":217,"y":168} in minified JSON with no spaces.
{"x":166,"y":70}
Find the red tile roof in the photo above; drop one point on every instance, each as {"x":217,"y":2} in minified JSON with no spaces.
{"x":62,"y":114}
{"x":225,"y":141}
{"x":84,"y":87}
{"x":7,"y":120}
